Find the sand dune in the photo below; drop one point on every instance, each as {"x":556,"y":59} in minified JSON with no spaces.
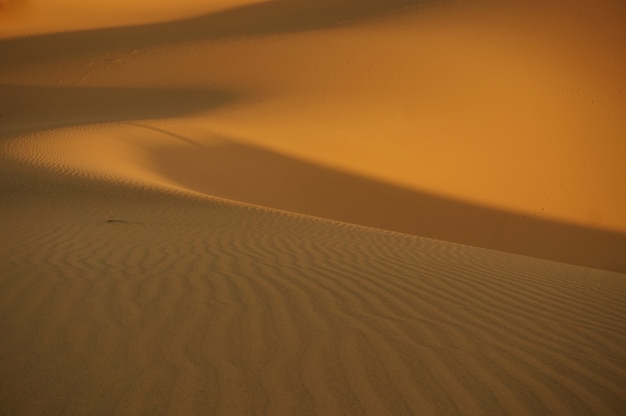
{"x":224,"y":208}
{"x":436,"y":99}
{"x":299,"y":186}
{"x":125,"y":301}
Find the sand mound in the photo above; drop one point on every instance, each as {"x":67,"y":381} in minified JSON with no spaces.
{"x":129,"y":286}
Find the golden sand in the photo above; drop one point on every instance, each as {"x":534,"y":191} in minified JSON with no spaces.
{"x":312,"y":207}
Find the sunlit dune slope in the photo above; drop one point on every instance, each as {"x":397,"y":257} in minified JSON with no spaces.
{"x":486,"y":123}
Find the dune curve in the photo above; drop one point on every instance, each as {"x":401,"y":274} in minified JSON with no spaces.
{"x":164,"y":179}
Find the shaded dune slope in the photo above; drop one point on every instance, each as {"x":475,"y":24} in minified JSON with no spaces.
{"x":260,"y":19}
{"x":266,"y":178}
{"x":144,"y":303}
{"x":66,"y":106}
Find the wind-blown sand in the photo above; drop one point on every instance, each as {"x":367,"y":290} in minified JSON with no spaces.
{"x":224,"y":208}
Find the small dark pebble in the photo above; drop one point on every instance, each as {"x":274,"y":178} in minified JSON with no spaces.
{"x":118,"y":221}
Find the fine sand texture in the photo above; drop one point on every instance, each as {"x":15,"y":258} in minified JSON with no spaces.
{"x":300,"y":207}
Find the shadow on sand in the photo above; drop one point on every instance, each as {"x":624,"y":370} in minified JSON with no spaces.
{"x":245,"y":173}
{"x":250,"y":174}
{"x":31,"y":108}
{"x":259,"y":19}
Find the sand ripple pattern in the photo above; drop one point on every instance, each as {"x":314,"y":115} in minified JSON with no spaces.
{"x":141,"y":305}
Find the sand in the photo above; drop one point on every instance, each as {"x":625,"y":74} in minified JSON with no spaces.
{"x":312,"y":207}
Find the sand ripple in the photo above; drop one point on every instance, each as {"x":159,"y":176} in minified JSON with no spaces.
{"x":148,"y":305}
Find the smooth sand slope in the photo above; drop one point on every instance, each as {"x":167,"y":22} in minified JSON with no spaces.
{"x":485,"y":123}
{"x":129,"y":286}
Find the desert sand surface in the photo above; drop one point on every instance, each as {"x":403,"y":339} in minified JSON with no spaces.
{"x":294,"y":207}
